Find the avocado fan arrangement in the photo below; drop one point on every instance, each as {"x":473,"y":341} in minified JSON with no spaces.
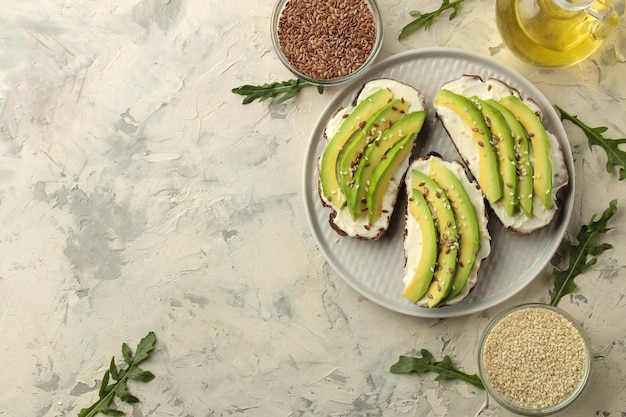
{"x":508,"y":161}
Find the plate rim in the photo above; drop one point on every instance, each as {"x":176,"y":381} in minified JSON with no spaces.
{"x":529,"y":89}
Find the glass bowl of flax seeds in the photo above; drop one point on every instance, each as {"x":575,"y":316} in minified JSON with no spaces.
{"x":535,"y":359}
{"x":327,"y":42}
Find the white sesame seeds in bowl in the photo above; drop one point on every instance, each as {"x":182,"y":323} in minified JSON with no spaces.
{"x":327,"y":42}
{"x":535,"y":359}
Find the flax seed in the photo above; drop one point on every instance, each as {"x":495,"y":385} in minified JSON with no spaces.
{"x":326,"y":39}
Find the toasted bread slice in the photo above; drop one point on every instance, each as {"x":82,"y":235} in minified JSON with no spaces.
{"x":532,"y":200}
{"x":368,"y":152}
{"x":446,"y":236}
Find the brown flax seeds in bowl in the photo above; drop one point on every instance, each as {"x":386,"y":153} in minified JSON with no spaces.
{"x":326,"y":39}
{"x":534,"y":357}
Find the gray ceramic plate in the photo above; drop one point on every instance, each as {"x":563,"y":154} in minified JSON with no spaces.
{"x":375,"y":269}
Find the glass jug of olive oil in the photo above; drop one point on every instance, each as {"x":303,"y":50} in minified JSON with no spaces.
{"x":556,"y":33}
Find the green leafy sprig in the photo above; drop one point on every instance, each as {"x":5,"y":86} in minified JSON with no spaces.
{"x":118,"y":388}
{"x":281,"y":90}
{"x":426,"y":19}
{"x":427,"y":363}
{"x":582,"y":254}
{"x":615,"y":156}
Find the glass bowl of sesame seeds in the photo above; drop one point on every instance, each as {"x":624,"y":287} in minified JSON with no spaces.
{"x":535,"y":359}
{"x":327,"y":42}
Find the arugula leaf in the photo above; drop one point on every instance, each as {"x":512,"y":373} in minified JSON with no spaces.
{"x":427,"y":363}
{"x":426,"y":19}
{"x":133,"y":372}
{"x":615,"y":156}
{"x":284,"y":90}
{"x":587,"y":245}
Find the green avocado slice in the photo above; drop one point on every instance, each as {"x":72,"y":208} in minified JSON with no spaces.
{"x":382,"y":175}
{"x":409,"y":124}
{"x":329,"y":178}
{"x":466,"y":221}
{"x":524,"y":167}
{"x":540,"y":147}
{"x":488,"y":177}
{"x":445,"y":269}
{"x":501,"y":135}
{"x":422,"y":277}
{"x":355,"y":149}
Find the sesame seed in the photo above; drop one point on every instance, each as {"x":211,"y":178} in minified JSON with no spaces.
{"x":534,"y":357}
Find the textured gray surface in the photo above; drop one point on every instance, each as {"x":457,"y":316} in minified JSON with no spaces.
{"x":137,"y":194}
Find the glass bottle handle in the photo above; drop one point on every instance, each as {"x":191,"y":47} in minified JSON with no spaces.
{"x":606,"y":19}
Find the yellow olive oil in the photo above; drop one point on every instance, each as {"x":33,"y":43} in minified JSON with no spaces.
{"x":547,"y":34}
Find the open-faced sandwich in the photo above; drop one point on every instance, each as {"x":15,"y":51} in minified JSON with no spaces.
{"x":518,"y":164}
{"x":446,"y":235}
{"x":367,"y":155}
